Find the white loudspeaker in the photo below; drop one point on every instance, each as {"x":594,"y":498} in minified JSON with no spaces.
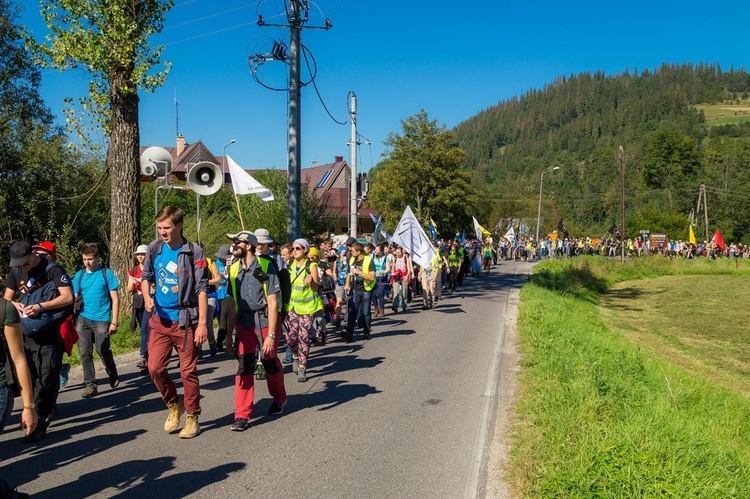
{"x":156,"y":162}
{"x":205,"y":178}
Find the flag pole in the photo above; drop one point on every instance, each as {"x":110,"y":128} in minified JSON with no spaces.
{"x":239,"y":212}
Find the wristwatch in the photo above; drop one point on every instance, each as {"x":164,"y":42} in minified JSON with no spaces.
{"x":272,"y":336}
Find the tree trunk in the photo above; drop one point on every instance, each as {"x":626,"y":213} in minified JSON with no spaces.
{"x":124,"y":167}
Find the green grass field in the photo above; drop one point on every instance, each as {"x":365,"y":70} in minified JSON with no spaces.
{"x":632,"y":380}
{"x":724,"y":114}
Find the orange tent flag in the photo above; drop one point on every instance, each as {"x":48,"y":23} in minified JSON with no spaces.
{"x":691,"y":237}
{"x":719,"y":240}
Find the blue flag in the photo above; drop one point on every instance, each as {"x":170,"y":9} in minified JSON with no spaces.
{"x":463,"y":237}
{"x":433,"y":231}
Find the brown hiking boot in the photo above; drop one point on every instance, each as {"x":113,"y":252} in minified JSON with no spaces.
{"x":175,"y":412}
{"x":192,"y":428}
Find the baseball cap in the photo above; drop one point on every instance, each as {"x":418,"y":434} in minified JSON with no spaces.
{"x":246,"y":236}
{"x":223,"y":253}
{"x":19,"y":253}
{"x":263,"y":236}
{"x":47,"y":246}
{"x":142,"y":249}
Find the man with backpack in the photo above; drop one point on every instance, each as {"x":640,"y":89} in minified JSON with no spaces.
{"x":176,"y":270}
{"x":254,"y":285}
{"x":359,"y":285}
{"x":98,"y":306}
{"x":41,"y":292}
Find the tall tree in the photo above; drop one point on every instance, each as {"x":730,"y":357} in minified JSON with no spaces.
{"x":109,"y":40}
{"x":422,"y":169}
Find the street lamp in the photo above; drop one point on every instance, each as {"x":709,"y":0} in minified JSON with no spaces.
{"x":539,"y":210}
{"x":224,"y":162}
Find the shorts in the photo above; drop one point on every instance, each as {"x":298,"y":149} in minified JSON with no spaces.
{"x":340,"y":292}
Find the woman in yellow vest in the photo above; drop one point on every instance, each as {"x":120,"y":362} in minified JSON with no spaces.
{"x":303,"y":304}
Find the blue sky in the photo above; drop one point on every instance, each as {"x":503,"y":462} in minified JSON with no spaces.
{"x":452,"y":59}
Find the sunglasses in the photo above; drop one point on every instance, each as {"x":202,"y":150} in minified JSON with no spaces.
{"x":298,"y":248}
{"x":238,"y":241}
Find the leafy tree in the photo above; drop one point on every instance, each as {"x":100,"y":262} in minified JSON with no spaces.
{"x":109,"y":40}
{"x":422,"y":169}
{"x":44,"y":186}
{"x":670,"y":161}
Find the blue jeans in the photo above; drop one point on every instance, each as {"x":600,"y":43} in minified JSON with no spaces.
{"x":359,"y":305}
{"x":142,"y":317}
{"x":92,"y":333}
{"x":380,"y":288}
{"x":6,"y":406}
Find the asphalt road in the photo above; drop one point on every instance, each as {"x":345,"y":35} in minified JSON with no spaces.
{"x":409,"y":413}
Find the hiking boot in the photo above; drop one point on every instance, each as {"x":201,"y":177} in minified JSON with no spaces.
{"x":276,"y":409}
{"x":295,"y":366}
{"x":64,"y":371}
{"x":89,"y":392}
{"x":302,"y":375}
{"x":240,"y":424}
{"x":260,"y":371}
{"x":192,"y":428}
{"x":175,"y":412}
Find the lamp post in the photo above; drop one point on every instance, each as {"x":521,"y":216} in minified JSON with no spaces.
{"x":539,"y":210}
{"x":224,"y":162}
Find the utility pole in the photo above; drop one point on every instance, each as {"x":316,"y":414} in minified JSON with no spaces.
{"x":297,"y":14}
{"x":702,"y":196}
{"x":353,"y":164}
{"x":622,"y":205}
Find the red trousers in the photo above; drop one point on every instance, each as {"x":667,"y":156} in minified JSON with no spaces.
{"x":245,"y":345}
{"x":164,"y":336}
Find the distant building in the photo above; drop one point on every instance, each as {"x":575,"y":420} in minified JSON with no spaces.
{"x":330,"y":183}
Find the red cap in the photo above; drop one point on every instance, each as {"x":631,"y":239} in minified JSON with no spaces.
{"x":47,"y":246}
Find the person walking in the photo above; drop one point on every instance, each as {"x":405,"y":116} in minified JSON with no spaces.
{"x":304,"y":303}
{"x":220,"y":267}
{"x":382,"y":263}
{"x":39,"y":289}
{"x":140,"y":316}
{"x":359,"y":286}
{"x":176,"y":270}
{"x":97,"y":319}
{"x":401,"y":274}
{"x":255,"y":288}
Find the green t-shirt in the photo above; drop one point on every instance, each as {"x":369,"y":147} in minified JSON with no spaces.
{"x":11,"y":317}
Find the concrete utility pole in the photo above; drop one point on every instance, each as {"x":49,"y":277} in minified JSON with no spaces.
{"x":353,"y":163}
{"x":297,"y":14}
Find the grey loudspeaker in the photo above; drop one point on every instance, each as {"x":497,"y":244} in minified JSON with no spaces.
{"x":205,"y":178}
{"x":156,"y":162}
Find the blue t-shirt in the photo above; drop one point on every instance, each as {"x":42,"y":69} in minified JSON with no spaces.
{"x":165,"y":294}
{"x":97,"y":303}
{"x":221,"y":289}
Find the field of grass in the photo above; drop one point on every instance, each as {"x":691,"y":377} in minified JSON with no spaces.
{"x":723,"y":114}
{"x":631,"y":385}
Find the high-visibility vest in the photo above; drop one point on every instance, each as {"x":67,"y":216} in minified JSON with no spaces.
{"x":369,"y":285}
{"x":234,"y":271}
{"x":304,"y":300}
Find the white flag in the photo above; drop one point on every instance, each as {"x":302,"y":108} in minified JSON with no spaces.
{"x":510,"y":235}
{"x":244,"y":183}
{"x":477,"y":230}
{"x":410,"y":236}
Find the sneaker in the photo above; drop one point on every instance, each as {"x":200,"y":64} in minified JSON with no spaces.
{"x":276,"y":409}
{"x":141,"y":364}
{"x":114,"y":380}
{"x":260,"y":371}
{"x":192,"y":428}
{"x":89,"y":392}
{"x":212,"y":349}
{"x":64,"y":371}
{"x":323,"y":335}
{"x":295,"y":366}
{"x":302,"y":375}
{"x":175,"y":412}
{"x":240,"y":424}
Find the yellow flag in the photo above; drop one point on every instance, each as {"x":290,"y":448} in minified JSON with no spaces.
{"x":691,"y":237}
{"x":484,"y":231}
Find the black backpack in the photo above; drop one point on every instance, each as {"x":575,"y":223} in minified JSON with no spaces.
{"x":327,"y":283}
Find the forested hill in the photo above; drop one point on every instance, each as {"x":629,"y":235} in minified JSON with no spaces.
{"x":579,"y":122}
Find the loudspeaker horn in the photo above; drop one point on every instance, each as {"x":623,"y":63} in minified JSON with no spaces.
{"x":205,"y":178}
{"x":156,"y":162}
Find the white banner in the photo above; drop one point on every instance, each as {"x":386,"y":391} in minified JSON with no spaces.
{"x":410,"y":236}
{"x":244,"y":183}
{"x":510,"y":235}
{"x":477,"y":230}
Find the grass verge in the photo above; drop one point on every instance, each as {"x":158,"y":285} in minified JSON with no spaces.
{"x":600,"y":414}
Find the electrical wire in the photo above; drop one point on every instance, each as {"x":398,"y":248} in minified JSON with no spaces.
{"x":306,"y":51}
{"x":206,"y":17}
